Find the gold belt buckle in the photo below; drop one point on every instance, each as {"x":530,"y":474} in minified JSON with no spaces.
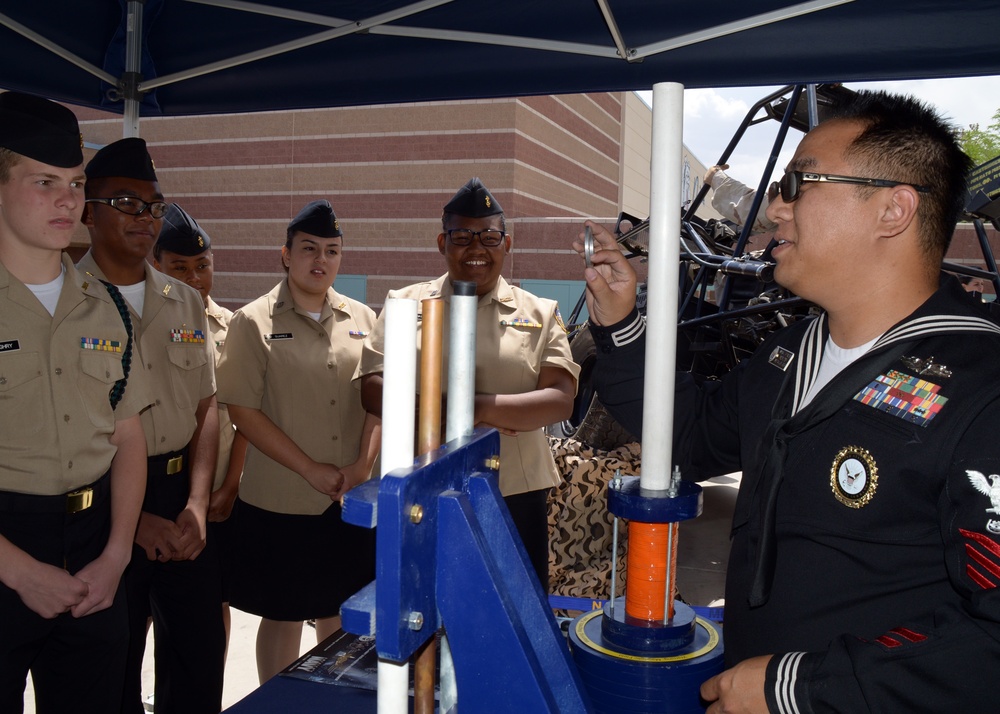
{"x":79,"y":500}
{"x":175,"y":465}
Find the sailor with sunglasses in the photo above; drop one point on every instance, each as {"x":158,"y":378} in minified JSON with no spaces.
{"x":864,"y":571}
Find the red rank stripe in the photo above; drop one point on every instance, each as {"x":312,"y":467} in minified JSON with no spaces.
{"x":982,"y":559}
{"x":983,"y":540}
{"x":908,"y":634}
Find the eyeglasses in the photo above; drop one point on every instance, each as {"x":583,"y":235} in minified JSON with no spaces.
{"x":488,"y":239}
{"x":790,"y":184}
{"x":133,"y":206}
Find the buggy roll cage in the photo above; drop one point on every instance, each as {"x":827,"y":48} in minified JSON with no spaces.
{"x":707,"y":245}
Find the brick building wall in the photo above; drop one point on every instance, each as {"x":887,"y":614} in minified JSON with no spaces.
{"x":551,"y":161}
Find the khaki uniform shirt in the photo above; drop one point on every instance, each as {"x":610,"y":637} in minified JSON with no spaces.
{"x":180,"y":363}
{"x":218,"y":325}
{"x":298,"y":372}
{"x":517,"y":334}
{"x":56,"y":373}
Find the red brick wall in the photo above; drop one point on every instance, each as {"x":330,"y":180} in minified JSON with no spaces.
{"x":388,"y":170}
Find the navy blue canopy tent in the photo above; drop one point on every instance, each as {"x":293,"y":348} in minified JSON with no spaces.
{"x":211,"y":56}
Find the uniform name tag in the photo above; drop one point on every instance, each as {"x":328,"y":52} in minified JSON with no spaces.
{"x":10,"y":345}
{"x":278,"y":336}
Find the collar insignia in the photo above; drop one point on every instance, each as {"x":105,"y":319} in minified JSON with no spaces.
{"x":927,"y":367}
{"x":166,"y":289}
{"x":781,"y":358}
{"x":854,"y":477}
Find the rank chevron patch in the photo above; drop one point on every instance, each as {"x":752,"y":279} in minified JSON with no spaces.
{"x":983,"y":553}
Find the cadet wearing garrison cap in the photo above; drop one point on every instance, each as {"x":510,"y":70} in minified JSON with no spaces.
{"x":525,"y":373}
{"x":286,"y":377}
{"x":184,"y":251}
{"x":70,"y":432}
{"x":174,"y":575}
{"x":317,"y":219}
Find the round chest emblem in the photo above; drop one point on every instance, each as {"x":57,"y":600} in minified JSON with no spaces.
{"x":854,"y":476}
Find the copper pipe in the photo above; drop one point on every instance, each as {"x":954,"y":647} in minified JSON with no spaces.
{"x":428,"y":439}
{"x":431,"y":341}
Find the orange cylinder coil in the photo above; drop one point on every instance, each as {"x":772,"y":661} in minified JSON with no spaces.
{"x":652,"y":547}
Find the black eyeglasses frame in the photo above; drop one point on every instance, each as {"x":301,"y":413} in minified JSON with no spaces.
{"x":475,"y":234}
{"x":146,"y":205}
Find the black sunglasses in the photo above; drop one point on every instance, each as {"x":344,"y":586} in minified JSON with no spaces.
{"x":790,"y":184}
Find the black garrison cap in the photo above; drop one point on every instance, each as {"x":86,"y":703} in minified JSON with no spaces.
{"x":181,"y":234}
{"x":125,"y":158}
{"x":316,"y":219}
{"x":473,"y":200}
{"x":40,"y":129}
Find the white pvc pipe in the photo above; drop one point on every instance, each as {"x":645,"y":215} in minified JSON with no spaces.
{"x":462,"y":361}
{"x":661,"y":306}
{"x":399,"y":384}
{"x":399,"y":388}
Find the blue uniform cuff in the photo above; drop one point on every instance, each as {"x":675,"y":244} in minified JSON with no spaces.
{"x":620,"y":334}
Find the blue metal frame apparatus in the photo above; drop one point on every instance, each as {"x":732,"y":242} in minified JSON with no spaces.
{"x":449,"y":556}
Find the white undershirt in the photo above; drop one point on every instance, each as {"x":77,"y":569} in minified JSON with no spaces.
{"x":48,"y":293}
{"x":135,"y":295}
{"x":315,"y":315}
{"x":835,"y":359}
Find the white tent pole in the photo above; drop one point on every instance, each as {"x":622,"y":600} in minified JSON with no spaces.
{"x":661,"y":310}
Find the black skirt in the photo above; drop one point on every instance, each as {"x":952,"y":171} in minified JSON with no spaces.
{"x":292,"y":567}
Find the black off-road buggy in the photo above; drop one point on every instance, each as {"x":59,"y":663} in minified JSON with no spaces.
{"x":728,"y":301}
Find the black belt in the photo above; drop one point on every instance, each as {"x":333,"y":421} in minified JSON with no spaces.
{"x":166,"y":464}
{"x":73,"y":502}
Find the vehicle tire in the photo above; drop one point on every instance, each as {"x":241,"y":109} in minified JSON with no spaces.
{"x":590,"y":423}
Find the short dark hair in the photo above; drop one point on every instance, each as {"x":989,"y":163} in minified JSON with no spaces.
{"x":8,"y":160}
{"x":292,"y":232}
{"x":904,"y":139}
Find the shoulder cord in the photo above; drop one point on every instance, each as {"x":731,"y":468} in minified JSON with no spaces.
{"x":118,"y":390}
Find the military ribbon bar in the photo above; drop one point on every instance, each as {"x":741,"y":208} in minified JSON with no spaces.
{"x":101,"y":345}
{"x":186,"y":335}
{"x":910,"y":398}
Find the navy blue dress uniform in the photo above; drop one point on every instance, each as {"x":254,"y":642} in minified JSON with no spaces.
{"x":866,"y":530}
{"x":181,"y":596}
{"x":66,"y":384}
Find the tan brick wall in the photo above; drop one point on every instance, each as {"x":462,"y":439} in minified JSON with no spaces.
{"x":388,"y":170}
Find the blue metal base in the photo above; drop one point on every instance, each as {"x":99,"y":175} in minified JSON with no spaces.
{"x":620,"y":681}
{"x":627,"y":633}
